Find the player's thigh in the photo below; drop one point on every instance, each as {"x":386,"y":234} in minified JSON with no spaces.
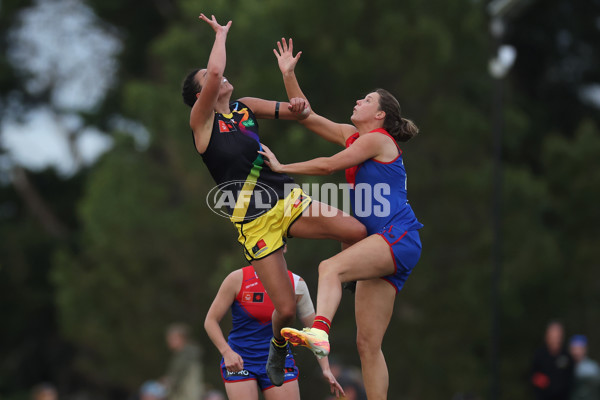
{"x":272,"y":272}
{"x":322,"y":221}
{"x":374,"y":305}
{"x":288,"y":391}
{"x":242,"y":390}
{"x":367,"y":259}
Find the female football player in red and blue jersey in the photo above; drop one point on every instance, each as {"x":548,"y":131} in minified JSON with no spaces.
{"x":246,"y":350}
{"x":382,"y":262}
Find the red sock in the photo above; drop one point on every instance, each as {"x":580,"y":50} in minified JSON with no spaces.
{"x":322,"y":323}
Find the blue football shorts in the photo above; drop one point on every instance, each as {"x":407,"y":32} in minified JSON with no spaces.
{"x":258,"y":372}
{"x":405,"y":247}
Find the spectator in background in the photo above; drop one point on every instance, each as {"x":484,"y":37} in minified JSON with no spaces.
{"x":552,"y":372}
{"x":586,"y":385}
{"x":184,"y":379}
{"x":153,"y":390}
{"x":44,"y":391}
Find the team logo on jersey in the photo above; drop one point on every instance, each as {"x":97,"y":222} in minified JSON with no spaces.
{"x":253,"y":297}
{"x":247,"y":297}
{"x":226,"y":127}
{"x":223,"y":126}
{"x":258,"y":297}
{"x":248,"y":123}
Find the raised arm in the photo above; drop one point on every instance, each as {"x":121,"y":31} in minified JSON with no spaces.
{"x":202,"y":115}
{"x":219,"y":307}
{"x":327,"y":129}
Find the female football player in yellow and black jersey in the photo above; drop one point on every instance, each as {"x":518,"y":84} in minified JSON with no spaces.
{"x":266,"y":206}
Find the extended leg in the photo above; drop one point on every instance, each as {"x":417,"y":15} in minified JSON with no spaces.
{"x":374,"y":306}
{"x":272,"y":272}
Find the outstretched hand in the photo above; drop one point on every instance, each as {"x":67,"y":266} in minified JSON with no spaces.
{"x":270,"y":159}
{"x":334,"y":386}
{"x":285,"y":56}
{"x":214,"y":24}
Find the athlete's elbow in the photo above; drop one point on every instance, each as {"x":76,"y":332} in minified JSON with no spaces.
{"x":214,"y":71}
{"x":327,"y":168}
{"x":324,"y":169}
{"x":208,"y":323}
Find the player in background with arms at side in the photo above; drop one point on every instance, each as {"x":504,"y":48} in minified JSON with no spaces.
{"x":246,"y":350}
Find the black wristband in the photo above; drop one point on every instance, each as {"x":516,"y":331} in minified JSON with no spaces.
{"x":277,"y":110}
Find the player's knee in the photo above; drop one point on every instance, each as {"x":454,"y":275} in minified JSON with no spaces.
{"x":287,"y":311}
{"x":356,"y":233}
{"x":327,"y":268}
{"x":366,"y":345}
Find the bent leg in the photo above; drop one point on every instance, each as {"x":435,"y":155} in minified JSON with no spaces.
{"x":370,"y":258}
{"x":322,"y":221}
{"x":374,"y":307}
{"x":272,"y":272}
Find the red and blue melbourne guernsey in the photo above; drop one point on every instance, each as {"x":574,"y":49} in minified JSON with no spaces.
{"x":379,"y":201}
{"x":378,"y":192}
{"x":252,"y":331}
{"x":232,"y":159}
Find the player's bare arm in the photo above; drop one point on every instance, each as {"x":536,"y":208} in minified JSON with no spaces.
{"x":327,"y":129}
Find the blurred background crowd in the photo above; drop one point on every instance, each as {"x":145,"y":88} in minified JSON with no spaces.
{"x":560,"y":370}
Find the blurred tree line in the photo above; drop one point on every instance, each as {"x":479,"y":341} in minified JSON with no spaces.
{"x":93,"y":266}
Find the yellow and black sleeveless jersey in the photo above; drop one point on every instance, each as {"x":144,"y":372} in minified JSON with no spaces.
{"x":248,"y":187}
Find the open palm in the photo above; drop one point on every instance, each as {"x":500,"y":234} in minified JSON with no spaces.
{"x":285,"y":58}
{"x":214,"y":24}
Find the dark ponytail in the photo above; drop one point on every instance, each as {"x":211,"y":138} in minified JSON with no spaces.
{"x":190,"y":88}
{"x":401,"y":129}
